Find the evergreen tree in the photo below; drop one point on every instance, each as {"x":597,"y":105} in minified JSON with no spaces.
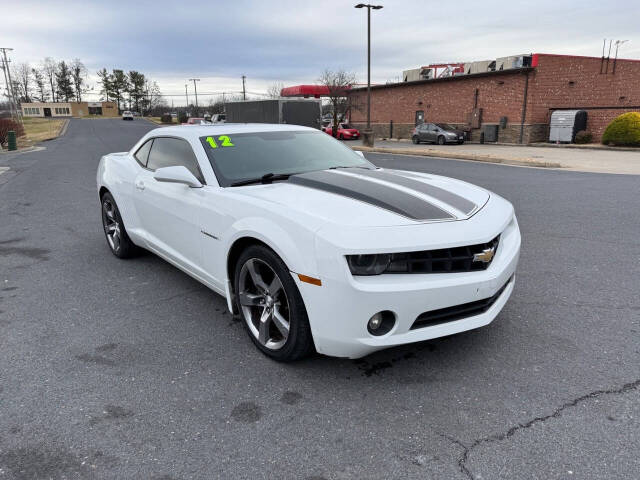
{"x":64,"y":82}
{"x":105,"y":83}
{"x":119,"y":86}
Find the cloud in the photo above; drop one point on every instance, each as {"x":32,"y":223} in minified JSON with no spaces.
{"x":293,"y":41}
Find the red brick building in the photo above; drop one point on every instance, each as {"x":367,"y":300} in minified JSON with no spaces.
{"x":525,"y":96}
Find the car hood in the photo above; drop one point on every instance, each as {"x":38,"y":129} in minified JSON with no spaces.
{"x":359,"y":197}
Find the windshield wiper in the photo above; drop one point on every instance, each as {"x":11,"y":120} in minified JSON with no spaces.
{"x":266,"y":178}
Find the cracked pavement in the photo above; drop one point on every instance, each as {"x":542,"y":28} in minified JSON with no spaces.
{"x":130,"y":369}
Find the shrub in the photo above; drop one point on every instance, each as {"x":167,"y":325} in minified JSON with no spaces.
{"x":166,"y":118}
{"x":623,"y":130}
{"x":182,"y":117}
{"x":583,"y":137}
{"x":7,"y":124}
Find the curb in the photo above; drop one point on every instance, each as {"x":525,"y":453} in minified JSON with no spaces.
{"x":21,"y":150}
{"x":63,"y":129}
{"x":527,"y":162}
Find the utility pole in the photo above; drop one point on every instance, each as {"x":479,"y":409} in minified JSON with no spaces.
{"x":244,"y":92}
{"x":368,"y":133}
{"x":187,"y":96}
{"x":194,"y":80}
{"x":13,"y":101}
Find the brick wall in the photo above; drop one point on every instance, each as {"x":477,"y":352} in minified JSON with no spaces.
{"x":448,"y":101}
{"x":556,"y":82}
{"x":562,"y":81}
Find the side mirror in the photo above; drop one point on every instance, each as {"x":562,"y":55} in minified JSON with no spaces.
{"x":358,"y":152}
{"x":177,"y":174}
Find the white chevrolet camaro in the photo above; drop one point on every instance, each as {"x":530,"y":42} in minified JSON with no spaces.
{"x":312,"y":245}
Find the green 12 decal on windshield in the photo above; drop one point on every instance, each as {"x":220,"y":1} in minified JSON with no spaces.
{"x":223,"y":141}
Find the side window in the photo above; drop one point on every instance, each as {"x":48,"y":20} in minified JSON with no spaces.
{"x":173,"y":152}
{"x":143,"y":153}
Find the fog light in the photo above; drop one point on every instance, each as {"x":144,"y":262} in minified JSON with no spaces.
{"x":381,"y":323}
{"x":375,"y":321}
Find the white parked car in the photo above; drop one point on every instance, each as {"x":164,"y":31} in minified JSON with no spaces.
{"x":127,"y":115}
{"x":309,"y":242}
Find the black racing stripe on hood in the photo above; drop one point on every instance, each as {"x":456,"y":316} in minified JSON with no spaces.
{"x":372,"y":193}
{"x":456,"y":201}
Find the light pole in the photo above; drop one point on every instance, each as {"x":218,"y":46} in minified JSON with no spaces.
{"x":194,"y":80}
{"x":368,"y":133}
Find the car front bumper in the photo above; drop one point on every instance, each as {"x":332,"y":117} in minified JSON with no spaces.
{"x":340,"y":309}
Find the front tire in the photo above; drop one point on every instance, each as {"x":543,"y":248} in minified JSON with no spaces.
{"x":271,"y":306}
{"x":441,"y":140}
{"x":415,"y":140}
{"x":117,"y":238}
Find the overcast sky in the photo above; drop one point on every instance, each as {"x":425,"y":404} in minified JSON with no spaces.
{"x":293,"y":41}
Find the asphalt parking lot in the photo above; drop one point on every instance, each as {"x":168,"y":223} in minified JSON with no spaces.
{"x":114,"y":369}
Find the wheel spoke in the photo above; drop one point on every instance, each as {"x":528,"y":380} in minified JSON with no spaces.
{"x":110,"y":214}
{"x":116,"y":238}
{"x":280,"y":322}
{"x":275,"y":287}
{"x":111,"y":228}
{"x":263,"y":327}
{"x":251,"y":299}
{"x":255,"y":276}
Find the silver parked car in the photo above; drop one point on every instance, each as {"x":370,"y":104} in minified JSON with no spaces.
{"x":439,"y":133}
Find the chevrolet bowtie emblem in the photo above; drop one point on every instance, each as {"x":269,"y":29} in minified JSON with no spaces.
{"x":485,"y":256}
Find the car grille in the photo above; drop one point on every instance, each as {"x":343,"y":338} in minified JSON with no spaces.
{"x":445,"y":260}
{"x":457,"y":312}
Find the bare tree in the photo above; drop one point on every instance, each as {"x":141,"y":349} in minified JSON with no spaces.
{"x":273,"y":91}
{"x":152,"y":96}
{"x":338,"y":83}
{"x":78,"y":76}
{"x":22,"y":81}
{"x":50,"y":68}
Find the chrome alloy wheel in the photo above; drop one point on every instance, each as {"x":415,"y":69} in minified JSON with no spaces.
{"x":112,"y":228}
{"x":264,"y":304}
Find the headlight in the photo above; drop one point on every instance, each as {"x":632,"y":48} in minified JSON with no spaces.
{"x":368,"y":264}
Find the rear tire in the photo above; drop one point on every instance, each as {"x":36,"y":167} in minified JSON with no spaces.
{"x":116,"y":234}
{"x":415,"y":140}
{"x":270,"y":305}
{"x":441,"y":140}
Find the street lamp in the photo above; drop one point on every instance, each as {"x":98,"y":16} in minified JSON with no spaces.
{"x":368,"y":134}
{"x":194,"y":80}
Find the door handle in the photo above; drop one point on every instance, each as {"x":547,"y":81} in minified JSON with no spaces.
{"x":140,"y":185}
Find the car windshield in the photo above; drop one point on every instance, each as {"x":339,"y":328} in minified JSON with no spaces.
{"x":444,"y":126}
{"x":245,"y":156}
{"x":346,"y":126}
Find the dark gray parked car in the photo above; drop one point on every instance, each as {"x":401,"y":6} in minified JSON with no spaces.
{"x":439,"y":133}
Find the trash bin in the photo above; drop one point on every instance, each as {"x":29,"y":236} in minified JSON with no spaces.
{"x":565,"y":124}
{"x":11,"y":140}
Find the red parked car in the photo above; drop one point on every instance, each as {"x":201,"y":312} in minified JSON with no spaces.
{"x":345,"y":131}
{"x":195,"y":121}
